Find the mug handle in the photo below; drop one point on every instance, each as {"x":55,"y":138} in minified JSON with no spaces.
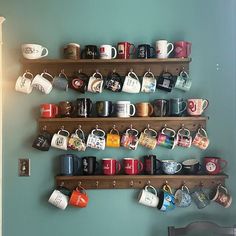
{"x":115,"y":52}
{"x":169,"y":129}
{"x":65,"y":131}
{"x":49,"y":75}
{"x":150,"y":109}
{"x":140,"y":165}
{"x":224,"y":162}
{"x":185,"y":103}
{"x":46,"y":52}
{"x":172,"y":48}
{"x":167,"y":188}
{"x":153,"y":53}
{"x":180,"y":168}
{"x":185,"y":188}
{"x":118,"y":167}
{"x":205,"y":104}
{"x":28,"y":73}
{"x":132,"y":105}
{"x":221,"y":186}
{"x":55,"y":109}
{"x":159,"y":162}
{"x":133,"y":48}
{"x":149,"y":73}
{"x":150,"y":186}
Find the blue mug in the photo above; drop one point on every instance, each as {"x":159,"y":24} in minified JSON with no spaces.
{"x":69,"y":164}
{"x":171,"y":167}
{"x":166,"y":199}
{"x":183,"y":197}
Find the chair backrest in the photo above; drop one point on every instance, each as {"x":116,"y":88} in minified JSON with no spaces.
{"x":202,"y":227}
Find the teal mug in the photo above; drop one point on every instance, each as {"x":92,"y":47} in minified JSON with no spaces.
{"x":166,"y":199}
{"x":183,"y":82}
{"x":61,"y":81}
{"x":177,"y":106}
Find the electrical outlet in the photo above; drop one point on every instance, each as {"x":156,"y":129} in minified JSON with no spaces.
{"x":24,"y":167}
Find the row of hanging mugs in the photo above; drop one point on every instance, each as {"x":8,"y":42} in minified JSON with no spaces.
{"x":162,"y":199}
{"x":81,"y":82}
{"x":84,"y":107}
{"x":98,"y":139}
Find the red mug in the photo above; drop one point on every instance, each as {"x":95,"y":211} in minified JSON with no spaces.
{"x":125,"y":49}
{"x":79,"y":198}
{"x":214,"y":165}
{"x":182,"y":49}
{"x":132,"y":166}
{"x":110,"y":166}
{"x":48,"y":110}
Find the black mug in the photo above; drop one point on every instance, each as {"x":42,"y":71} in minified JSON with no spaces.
{"x":113,"y":82}
{"x":166,"y":81}
{"x":84,"y":107}
{"x":145,"y":51}
{"x":79,"y":82}
{"x":161,"y":107}
{"x":177,"y":106}
{"x":191,"y":167}
{"x":42,"y":142}
{"x":89,"y":165}
{"x":151,"y":164}
{"x":90,"y":52}
{"x":104,"y":108}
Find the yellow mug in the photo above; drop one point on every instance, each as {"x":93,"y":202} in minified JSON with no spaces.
{"x":113,"y":140}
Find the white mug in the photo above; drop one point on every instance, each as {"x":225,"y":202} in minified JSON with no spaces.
{"x":95,"y":84}
{"x":147,"y":198}
{"x":131,"y":83}
{"x":149,"y":83}
{"x":123,"y":109}
{"x":24,"y":84}
{"x":41,"y":83}
{"x":162,"y":48}
{"x":96,"y":139}
{"x":59,"y":199}
{"x":60,"y":141}
{"x":106,"y":52}
{"x":33,"y":51}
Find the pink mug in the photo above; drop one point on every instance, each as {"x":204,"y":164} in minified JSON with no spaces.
{"x":132,"y":166}
{"x":182,"y":49}
{"x":110,"y":166}
{"x":196,"y":107}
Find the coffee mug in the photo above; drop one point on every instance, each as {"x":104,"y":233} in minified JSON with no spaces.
{"x":130,"y":139}
{"x":148,"y":138}
{"x":60,"y":139}
{"x":221,"y":196}
{"x":41,"y":82}
{"x":113,"y":138}
{"x":66,"y":109}
{"x":69,"y":165}
{"x":182,"y":49}
{"x":183,"y":197}
{"x":166,"y":138}
{"x":184,"y":138}
{"x":183,"y":82}
{"x":125,"y":49}
{"x":59,"y":199}
{"x":196,"y":107}
{"x":148,"y":83}
{"x":104,"y":108}
{"x":48,"y":110}
{"x":96,"y":139}
{"x":191,"y":166}
{"x":110,"y":166}
{"x":171,"y":167}
{"x":89,"y":165}
{"x":162,"y":47}
{"x":148,"y":198}
{"x":72,"y":51}
{"x":106,"y":52}
{"x":214,"y":165}
{"x":113,"y":82}
{"x":79,"y":82}
{"x":33,"y":51}
{"x":23,"y":83}
{"x":95,"y":84}
{"x":144,"y":109}
{"x":77,"y":141}
{"x":166,"y":199}
{"x":84,"y":107}
{"x":90,"y":52}
{"x":200,"y":197}
{"x":201,"y":139}
{"x":131,"y":83}
{"x":123,"y":109}
{"x":166,"y":81}
{"x":43,"y":141}
{"x":61,"y":81}
{"x":79,"y":198}
{"x":151,"y":164}
{"x":177,"y":106}
{"x":161,"y":107}
{"x":145,"y":51}
{"x":132,"y":166}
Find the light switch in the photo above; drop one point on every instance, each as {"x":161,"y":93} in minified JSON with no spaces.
{"x":24,"y":167}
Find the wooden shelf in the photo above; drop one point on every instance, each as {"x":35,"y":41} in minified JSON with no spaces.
{"x":139,"y":123}
{"x":139,"y":181}
{"x":140,"y":66}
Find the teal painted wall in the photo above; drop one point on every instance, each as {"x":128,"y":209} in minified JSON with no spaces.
{"x":208,"y":24}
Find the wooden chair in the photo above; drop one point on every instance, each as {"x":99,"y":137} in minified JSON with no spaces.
{"x":202,"y":228}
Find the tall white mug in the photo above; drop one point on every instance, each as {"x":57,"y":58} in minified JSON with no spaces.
{"x":33,"y":51}
{"x":106,"y":52}
{"x":123,"y":109}
{"x":162,"y":47}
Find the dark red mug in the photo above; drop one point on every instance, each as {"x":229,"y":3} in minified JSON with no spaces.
{"x":110,"y":166}
{"x":182,"y":49}
{"x":125,"y":49}
{"x":214,"y":165}
{"x":132,"y":166}
{"x":48,"y":110}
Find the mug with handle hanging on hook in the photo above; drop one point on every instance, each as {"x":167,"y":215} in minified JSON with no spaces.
{"x":183,"y":82}
{"x":200,"y":197}
{"x":148,"y":138}
{"x":113,"y":138}
{"x":147,"y":197}
{"x":60,"y":139}
{"x":148,"y":83}
{"x":24,"y":83}
{"x":77,"y":140}
{"x":184,"y":138}
{"x":183,"y":197}
{"x":201,"y":139}
{"x":43,"y":141}
{"x":165,"y":81}
{"x":130,"y":139}
{"x":166,"y":138}
{"x":95,"y":84}
{"x":79,"y":82}
{"x":96,"y":139}
{"x":131,"y":83}
{"x":61,"y":81}
{"x":113,"y":82}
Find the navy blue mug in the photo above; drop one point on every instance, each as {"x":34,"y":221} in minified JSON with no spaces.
{"x":69,"y":164}
{"x":145,"y":51}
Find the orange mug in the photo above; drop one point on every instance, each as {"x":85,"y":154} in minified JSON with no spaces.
{"x":79,"y":198}
{"x":113,"y":140}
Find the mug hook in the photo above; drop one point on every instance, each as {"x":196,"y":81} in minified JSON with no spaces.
{"x":62,"y":184}
{"x":96,"y":127}
{"x":131,"y":70}
{"x":148,"y":127}
{"x":131,"y":127}
{"x":62,"y":127}
{"x":44,"y":128}
{"x":45,"y":71}
{"x":114,"y":70}
{"x":148,"y":182}
{"x":79,"y":71}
